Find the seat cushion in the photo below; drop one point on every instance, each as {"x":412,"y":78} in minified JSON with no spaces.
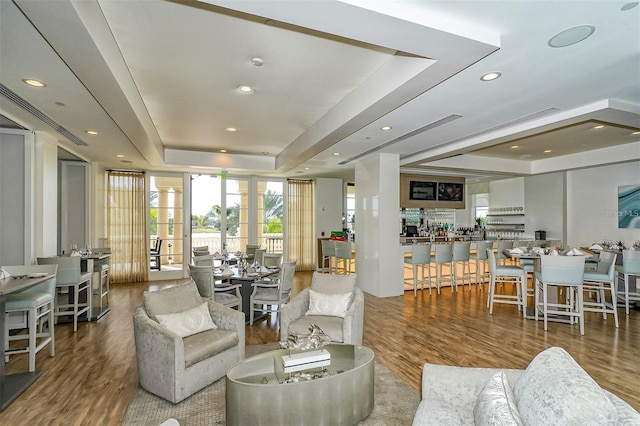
{"x":554,"y":389}
{"x":189,"y":322}
{"x":269,"y":294}
{"x":201,"y":346}
{"x":171,"y":300}
{"x":332,"y":326}
{"x":225,"y":298}
{"x":24,"y":301}
{"x":495,"y":404}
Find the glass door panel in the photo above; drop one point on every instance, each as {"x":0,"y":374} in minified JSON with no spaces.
{"x":270,"y":217}
{"x":236,"y":220}
{"x":206,"y":212}
{"x":166,"y":222}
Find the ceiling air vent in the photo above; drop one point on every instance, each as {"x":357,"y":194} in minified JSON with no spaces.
{"x":13,"y":97}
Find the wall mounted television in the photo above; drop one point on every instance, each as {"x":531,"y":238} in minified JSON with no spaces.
{"x":431,"y":191}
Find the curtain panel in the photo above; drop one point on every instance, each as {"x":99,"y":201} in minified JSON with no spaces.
{"x":127,"y":226}
{"x":300,"y":223}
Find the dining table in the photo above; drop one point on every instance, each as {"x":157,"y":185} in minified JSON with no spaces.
{"x":245,"y":277}
{"x":12,"y":385}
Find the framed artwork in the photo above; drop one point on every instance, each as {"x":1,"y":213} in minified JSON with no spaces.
{"x":629,"y":206}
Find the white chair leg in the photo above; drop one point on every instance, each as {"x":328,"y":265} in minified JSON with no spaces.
{"x":415,"y":279}
{"x":544,"y":305}
{"x":52,"y":344}
{"x":33,"y":329}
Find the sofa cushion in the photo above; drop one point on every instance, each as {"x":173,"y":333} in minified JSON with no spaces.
{"x":441,"y":413}
{"x":204,"y":345}
{"x":333,"y":283}
{"x":331,"y":305}
{"x":191,"y":321}
{"x":554,"y":389}
{"x":171,"y":300}
{"x":332,"y":326}
{"x":495,"y":404}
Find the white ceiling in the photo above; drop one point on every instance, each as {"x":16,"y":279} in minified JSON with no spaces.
{"x":158,"y":80}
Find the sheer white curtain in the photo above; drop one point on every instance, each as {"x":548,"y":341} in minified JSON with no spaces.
{"x":300,"y":223}
{"x":127,"y":227}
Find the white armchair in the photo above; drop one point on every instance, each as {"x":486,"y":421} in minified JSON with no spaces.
{"x":348,"y":329}
{"x":174,"y":367}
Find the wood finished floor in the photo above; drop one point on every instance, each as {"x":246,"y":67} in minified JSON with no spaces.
{"x":93,"y":375}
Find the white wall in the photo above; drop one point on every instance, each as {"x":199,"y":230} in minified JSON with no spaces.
{"x":592,"y":204}
{"x":544,"y":205}
{"x":506,"y":193}
{"x":329,"y":200}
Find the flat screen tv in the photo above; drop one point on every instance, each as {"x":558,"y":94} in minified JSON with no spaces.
{"x":420,"y":190}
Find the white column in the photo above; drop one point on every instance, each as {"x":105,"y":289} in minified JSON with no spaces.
{"x":378,"y":253}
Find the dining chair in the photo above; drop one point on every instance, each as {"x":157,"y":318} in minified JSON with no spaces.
{"x":599,"y":281}
{"x":38,"y":303}
{"x":69,"y":277}
{"x":630,"y":266}
{"x":481,"y":261}
{"x":344,"y":253}
{"x":328,"y":248}
{"x":462,"y":255}
{"x":204,"y":260}
{"x":224,"y":293}
{"x":275,"y":293}
{"x":443,"y":256}
{"x":501,"y":274}
{"x":200,"y":250}
{"x":154,"y":254}
{"x":101,"y":267}
{"x":560,"y":271}
{"x":272,"y":260}
{"x":250,"y":250}
{"x":419,"y":259}
{"x":259,"y":256}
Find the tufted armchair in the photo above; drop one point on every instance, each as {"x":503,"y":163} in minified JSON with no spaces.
{"x":296,"y":318}
{"x":174,"y":367}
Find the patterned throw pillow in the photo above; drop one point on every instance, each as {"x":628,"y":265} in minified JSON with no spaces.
{"x":330,"y":305}
{"x":495,"y":404}
{"x":189,"y":322}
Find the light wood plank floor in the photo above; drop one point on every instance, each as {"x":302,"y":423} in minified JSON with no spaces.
{"x":93,"y":375}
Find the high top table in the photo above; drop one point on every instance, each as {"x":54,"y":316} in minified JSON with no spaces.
{"x":12,"y":385}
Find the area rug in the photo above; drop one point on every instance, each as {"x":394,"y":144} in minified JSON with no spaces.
{"x":395,"y":402}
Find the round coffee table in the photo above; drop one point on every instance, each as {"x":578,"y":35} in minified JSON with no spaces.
{"x":257,"y":393}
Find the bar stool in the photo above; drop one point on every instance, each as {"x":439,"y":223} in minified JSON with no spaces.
{"x":38,"y":303}
{"x":444,"y":256}
{"x":597,"y":280}
{"x":630,"y":266}
{"x":564,"y":271}
{"x":500,"y":274}
{"x":420,"y":256}
{"x":502,"y":246}
{"x":328,"y":248}
{"x":76,"y":282}
{"x":461,"y":254}
{"x":344,"y":253}
{"x":481,"y":261}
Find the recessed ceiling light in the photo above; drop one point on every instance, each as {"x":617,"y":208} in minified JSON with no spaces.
{"x":490,"y":76}
{"x":336,"y":153}
{"x":386,"y":128}
{"x":571,"y":36}
{"x":546,"y":151}
{"x":598,"y":127}
{"x":257,"y":62}
{"x":33,"y":82}
{"x":223,"y":150}
{"x":514,"y":146}
{"x":231,"y":129}
{"x":635,"y":133}
{"x":307,"y":168}
{"x":91,"y":132}
{"x":119,"y":155}
{"x":629,"y":6}
{"x":265,"y":152}
{"x":245,"y":89}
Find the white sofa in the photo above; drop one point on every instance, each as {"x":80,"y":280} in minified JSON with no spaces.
{"x":553,"y":390}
